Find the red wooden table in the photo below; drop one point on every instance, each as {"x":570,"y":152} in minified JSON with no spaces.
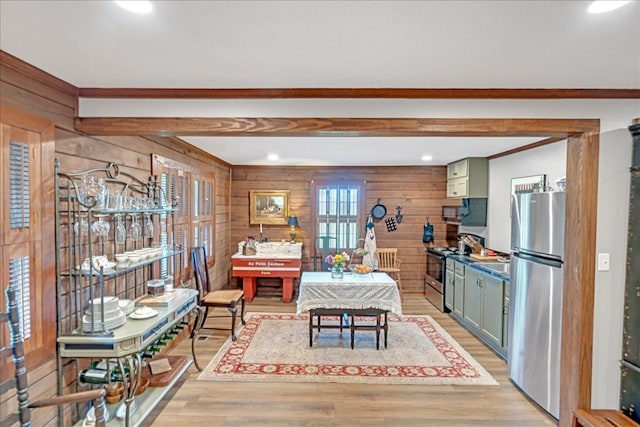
{"x":252,"y":267}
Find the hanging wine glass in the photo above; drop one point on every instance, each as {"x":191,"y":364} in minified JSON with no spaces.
{"x":148,"y":226}
{"x":101,"y":227}
{"x":81,"y":227}
{"x":121,"y":231}
{"x":135,"y":230}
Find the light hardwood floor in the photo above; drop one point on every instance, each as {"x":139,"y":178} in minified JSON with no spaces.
{"x":216,"y":404}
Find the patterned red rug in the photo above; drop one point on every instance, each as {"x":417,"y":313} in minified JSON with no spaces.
{"x":274,"y":347}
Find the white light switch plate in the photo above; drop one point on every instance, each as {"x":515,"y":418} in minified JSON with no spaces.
{"x":603,"y":262}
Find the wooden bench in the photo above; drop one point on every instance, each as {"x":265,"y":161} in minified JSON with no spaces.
{"x":601,"y":418}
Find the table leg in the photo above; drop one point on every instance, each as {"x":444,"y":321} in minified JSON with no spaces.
{"x":386,"y":329}
{"x":353,"y":330}
{"x":377,"y":332}
{"x":249,"y":287}
{"x":310,"y":329}
{"x":287,"y":289}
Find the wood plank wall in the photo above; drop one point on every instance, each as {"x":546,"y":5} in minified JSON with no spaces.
{"x":50,"y":98}
{"x":420,"y":190}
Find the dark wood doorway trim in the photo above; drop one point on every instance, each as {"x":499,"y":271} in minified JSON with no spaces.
{"x":358,"y":93}
{"x":331,"y":126}
{"x":582,"y":198}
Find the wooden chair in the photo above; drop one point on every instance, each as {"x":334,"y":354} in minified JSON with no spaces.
{"x":16,"y":350}
{"x":226,"y":298}
{"x":601,"y":418}
{"x":388,"y":262}
{"x":324,"y":245}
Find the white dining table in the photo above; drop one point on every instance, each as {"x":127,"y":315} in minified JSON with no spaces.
{"x":369,"y":295}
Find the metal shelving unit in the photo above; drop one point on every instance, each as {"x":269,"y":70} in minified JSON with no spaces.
{"x":100,"y":213}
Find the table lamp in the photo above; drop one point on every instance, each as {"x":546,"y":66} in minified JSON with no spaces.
{"x":293,"y":223}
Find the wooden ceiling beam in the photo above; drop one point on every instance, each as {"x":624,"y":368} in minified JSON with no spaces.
{"x":332,"y":127}
{"x":359,"y":93}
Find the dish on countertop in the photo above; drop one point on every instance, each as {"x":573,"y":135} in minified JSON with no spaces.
{"x":360,"y":268}
{"x":143,"y":313}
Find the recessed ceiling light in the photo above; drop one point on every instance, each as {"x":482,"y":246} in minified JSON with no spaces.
{"x":427,"y":158}
{"x":272,"y":157}
{"x":601,"y":6}
{"x":143,"y":6}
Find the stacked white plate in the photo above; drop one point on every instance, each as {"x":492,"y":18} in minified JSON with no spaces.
{"x":113,"y":314}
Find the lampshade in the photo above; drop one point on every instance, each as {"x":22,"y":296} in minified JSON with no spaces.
{"x":293,"y":221}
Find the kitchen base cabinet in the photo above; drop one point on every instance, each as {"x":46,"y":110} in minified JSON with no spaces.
{"x":491,"y":322}
{"x":480,"y":304}
{"x":505,"y":321}
{"x":449,"y":293}
{"x":458,"y":292}
{"x":473,"y":297}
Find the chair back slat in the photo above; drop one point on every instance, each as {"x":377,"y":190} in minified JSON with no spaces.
{"x":17,"y":350}
{"x":387,"y":257}
{"x":324,"y":245}
{"x":200,"y":270}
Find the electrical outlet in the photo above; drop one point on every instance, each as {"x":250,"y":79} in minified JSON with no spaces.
{"x":603,"y":262}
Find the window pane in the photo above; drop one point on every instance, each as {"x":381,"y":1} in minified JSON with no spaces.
{"x":338,"y":216}
{"x":164,"y":238}
{"x":196,"y":198}
{"x":19,"y":185}
{"x":19,"y":276}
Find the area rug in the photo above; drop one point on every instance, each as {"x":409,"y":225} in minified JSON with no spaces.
{"x":274,"y":347}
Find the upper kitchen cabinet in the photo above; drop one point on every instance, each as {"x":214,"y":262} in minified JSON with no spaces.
{"x":468,"y":178}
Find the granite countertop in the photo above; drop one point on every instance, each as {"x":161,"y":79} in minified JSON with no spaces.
{"x":467,"y":260}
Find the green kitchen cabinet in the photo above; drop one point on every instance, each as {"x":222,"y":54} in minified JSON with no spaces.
{"x":484,"y":307}
{"x":473,"y":297}
{"x":468,"y":178}
{"x":491,"y":318}
{"x":458,"y":292}
{"x":449,"y":284}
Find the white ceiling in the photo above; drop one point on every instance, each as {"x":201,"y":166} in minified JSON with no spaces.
{"x":328,"y":44}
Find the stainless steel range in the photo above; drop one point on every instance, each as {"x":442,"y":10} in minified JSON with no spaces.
{"x":436,"y":270}
{"x":434,"y":289}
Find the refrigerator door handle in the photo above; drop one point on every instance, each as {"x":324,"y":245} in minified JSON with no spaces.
{"x":630,"y":366}
{"x":537,"y":259}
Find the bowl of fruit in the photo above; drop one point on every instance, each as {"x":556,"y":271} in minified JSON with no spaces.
{"x":360,"y":269}
{"x":360,"y":252}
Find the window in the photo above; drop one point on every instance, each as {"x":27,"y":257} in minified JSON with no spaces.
{"x":26,"y":258}
{"x":202,"y":214}
{"x":192,"y":193}
{"x":338,"y":215}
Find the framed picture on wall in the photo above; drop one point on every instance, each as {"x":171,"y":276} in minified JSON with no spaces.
{"x":529,"y":184}
{"x":268,"y":207}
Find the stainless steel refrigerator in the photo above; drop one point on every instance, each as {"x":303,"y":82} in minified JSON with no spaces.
{"x":535,"y":304}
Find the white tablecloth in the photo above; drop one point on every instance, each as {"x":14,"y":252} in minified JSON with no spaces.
{"x":373,"y":290}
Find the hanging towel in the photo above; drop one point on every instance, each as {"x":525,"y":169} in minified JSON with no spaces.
{"x":427,"y":233}
{"x":371,"y":258}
